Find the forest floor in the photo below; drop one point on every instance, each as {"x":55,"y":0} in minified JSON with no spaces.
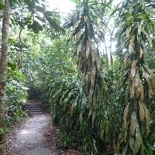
{"x":34,"y":136}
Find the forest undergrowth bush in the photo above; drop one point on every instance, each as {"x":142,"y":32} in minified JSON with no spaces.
{"x":16,"y":95}
{"x":71,"y":113}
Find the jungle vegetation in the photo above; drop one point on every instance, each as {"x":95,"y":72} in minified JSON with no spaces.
{"x":93,"y":70}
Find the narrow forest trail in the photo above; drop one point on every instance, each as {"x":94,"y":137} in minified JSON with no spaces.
{"x":35,"y":136}
{"x":29,"y":139}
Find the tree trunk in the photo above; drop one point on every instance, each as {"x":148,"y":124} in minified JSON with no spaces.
{"x":3,"y":68}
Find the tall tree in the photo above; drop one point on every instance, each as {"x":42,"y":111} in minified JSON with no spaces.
{"x":3,"y":68}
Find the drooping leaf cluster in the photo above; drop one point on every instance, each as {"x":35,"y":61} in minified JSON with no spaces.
{"x":137,"y":80}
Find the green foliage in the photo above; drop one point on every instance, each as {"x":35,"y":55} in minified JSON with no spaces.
{"x":56,"y":64}
{"x":2,"y":6}
{"x":95,"y":111}
{"x":3,"y":131}
{"x":70,"y":111}
{"x":34,"y":91}
{"x":16,"y":95}
{"x":35,"y":16}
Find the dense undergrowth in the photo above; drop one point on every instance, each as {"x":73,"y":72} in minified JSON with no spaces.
{"x":16,"y":95}
{"x":70,"y":111}
{"x":100,"y":107}
{"x":63,"y":96}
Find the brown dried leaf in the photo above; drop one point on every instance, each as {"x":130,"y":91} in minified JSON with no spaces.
{"x":150,"y":91}
{"x":131,"y":44}
{"x":101,"y":133}
{"x":93,"y":56}
{"x":128,"y":30}
{"x":85,"y":18}
{"x":139,"y":28}
{"x":141,"y":53}
{"x":135,"y":103}
{"x":131,"y":143}
{"x":79,"y":34}
{"x":152,"y":76}
{"x":98,"y":66}
{"x":87,"y":52}
{"x":119,"y":82}
{"x":80,"y":118}
{"x":88,"y":48}
{"x":76,"y":24}
{"x":72,"y":33}
{"x":125,"y":115}
{"x":133,"y":124}
{"x":139,"y":87}
{"x":94,"y":101}
{"x":93,"y":72}
{"x":136,"y":80}
{"x":138,"y":141}
{"x":86,"y":78}
{"x":79,"y":48}
{"x":142,"y":92}
{"x":132,"y":89}
{"x":93,"y":118}
{"x":147,"y":77}
{"x":120,"y":136}
{"x":90,"y":97}
{"x":125,"y":135}
{"x":90,"y":112}
{"x":92,"y":81}
{"x":86,"y":89}
{"x":125,"y":60}
{"x":80,"y":62}
{"x":82,"y":79}
{"x":147,"y":115}
{"x":133,"y":69}
{"x":141,"y":111}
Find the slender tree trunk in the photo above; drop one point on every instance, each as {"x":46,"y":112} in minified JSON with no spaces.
{"x":3,"y":68}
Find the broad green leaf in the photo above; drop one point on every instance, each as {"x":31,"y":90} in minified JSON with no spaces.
{"x":2,"y":6}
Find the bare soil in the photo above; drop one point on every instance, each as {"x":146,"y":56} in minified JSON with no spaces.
{"x":34,"y":136}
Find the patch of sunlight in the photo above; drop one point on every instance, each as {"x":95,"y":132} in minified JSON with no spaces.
{"x":23,"y":132}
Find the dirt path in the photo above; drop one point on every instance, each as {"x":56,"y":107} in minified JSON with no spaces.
{"x":29,"y":139}
{"x":35,"y":136}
